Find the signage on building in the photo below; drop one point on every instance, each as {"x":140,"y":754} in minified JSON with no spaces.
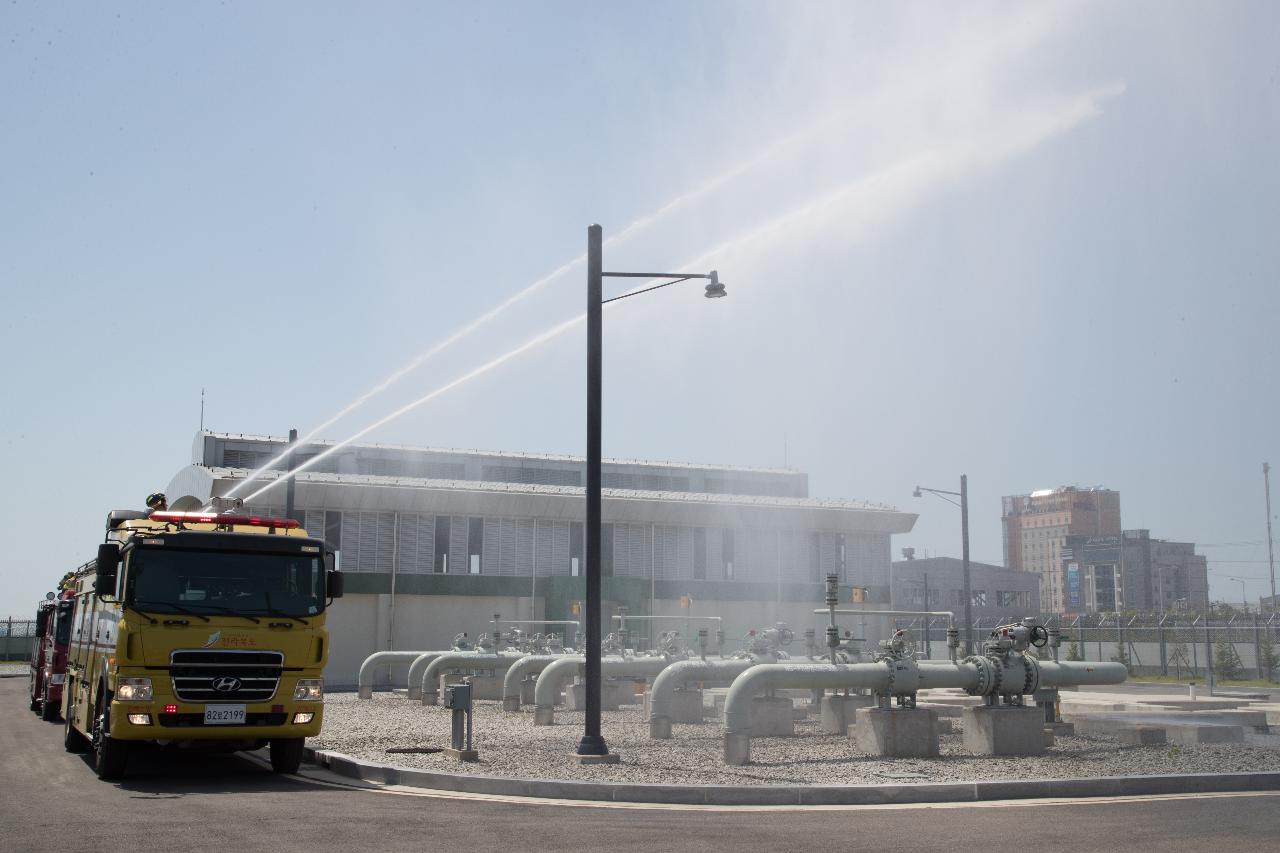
{"x":1073,"y":585}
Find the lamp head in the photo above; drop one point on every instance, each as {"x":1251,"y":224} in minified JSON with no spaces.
{"x":917,"y":493}
{"x":715,"y":289}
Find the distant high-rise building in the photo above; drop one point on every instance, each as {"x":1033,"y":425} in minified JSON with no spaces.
{"x":1132,"y":571}
{"x":1036,"y":527}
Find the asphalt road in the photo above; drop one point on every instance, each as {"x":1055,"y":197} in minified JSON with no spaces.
{"x":195,"y":802}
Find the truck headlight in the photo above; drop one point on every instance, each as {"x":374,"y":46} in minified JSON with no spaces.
{"x":133,"y":689}
{"x":309,"y":690}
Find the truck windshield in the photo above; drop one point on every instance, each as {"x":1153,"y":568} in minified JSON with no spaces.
{"x":212,"y":582}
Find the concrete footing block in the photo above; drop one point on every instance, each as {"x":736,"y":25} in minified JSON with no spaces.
{"x":414,"y":691}
{"x":1143,"y":736}
{"x":607,"y":758}
{"x":660,"y":728}
{"x":462,"y":754}
{"x":1061,"y":729}
{"x":1004,"y":730}
{"x":838,"y":712}
{"x":526,"y":690}
{"x":543,"y":716}
{"x":737,"y":749}
{"x":511,"y":703}
{"x":771,"y":716}
{"x":365,"y":692}
{"x":946,"y":725}
{"x":1193,"y":735}
{"x":486,"y":687}
{"x":1048,"y":737}
{"x":897,"y":733}
{"x":576,"y":697}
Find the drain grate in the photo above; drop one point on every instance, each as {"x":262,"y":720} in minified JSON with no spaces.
{"x":902,"y":774}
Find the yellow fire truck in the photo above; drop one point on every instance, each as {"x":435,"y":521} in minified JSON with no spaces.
{"x":199,"y":627}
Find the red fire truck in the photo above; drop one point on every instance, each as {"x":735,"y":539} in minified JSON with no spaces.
{"x":49,"y":656}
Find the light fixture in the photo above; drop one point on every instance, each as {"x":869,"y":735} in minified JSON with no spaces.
{"x":715,"y":289}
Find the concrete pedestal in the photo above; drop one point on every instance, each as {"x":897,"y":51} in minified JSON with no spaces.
{"x":771,"y":716}
{"x":511,"y":703}
{"x":839,"y":712}
{"x":686,"y":707}
{"x":1004,"y":730}
{"x":544,"y":716}
{"x":462,"y":754}
{"x":897,"y":733}
{"x":487,"y":687}
{"x":576,"y":697}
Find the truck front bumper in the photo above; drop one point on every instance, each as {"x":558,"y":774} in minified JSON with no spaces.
{"x":188,"y":722}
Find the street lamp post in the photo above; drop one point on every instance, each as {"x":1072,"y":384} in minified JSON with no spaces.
{"x":592,"y":743}
{"x":963,"y":495}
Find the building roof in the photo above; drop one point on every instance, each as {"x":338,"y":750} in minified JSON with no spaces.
{"x":504,"y":454}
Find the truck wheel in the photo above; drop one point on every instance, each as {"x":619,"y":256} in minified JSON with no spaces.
{"x":34,"y":706}
{"x":109,"y":755}
{"x":286,"y":754}
{"x":48,"y":710}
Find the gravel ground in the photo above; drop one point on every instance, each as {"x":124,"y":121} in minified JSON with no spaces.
{"x":511,"y":746}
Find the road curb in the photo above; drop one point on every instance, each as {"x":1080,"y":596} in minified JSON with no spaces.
{"x":795,"y":795}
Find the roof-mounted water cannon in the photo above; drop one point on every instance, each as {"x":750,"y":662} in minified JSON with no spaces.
{"x":226,"y":505}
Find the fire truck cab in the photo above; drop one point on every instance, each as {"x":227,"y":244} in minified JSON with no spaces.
{"x":49,"y":654}
{"x":199,"y":628}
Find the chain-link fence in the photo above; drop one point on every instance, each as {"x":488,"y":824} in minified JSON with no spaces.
{"x":1183,"y":646}
{"x":16,"y":639}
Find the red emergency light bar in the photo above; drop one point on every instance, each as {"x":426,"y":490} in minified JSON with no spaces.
{"x":217,"y":518}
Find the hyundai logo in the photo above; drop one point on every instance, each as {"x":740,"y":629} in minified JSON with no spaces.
{"x":226,"y":684}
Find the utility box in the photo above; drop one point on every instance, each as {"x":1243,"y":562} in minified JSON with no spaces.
{"x":458,"y":697}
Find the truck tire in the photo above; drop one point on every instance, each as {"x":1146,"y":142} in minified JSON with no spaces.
{"x":72,"y":740}
{"x":109,"y":755}
{"x":286,"y":754}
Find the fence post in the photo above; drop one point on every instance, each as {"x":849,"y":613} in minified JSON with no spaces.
{"x":1164,"y":652}
{"x":1257,"y":649}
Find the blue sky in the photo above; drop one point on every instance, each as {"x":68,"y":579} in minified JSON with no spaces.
{"x":1031,"y":243}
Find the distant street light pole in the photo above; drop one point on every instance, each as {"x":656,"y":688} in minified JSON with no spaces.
{"x":592,"y":743}
{"x":1243,"y":598}
{"x":1271,"y":557}
{"x":963,"y":494}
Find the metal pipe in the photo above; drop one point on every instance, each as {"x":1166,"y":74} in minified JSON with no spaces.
{"x":951,"y":618}
{"x":527,"y":665}
{"x":364,"y":681}
{"x":1013,"y":674}
{"x":415,"y":671}
{"x":623,"y":618}
{"x":552,"y":679}
{"x":460,"y":660}
{"x":678,"y":675}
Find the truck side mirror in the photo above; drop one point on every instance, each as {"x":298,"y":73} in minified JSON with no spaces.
{"x":108,"y":562}
{"x":334,"y":584}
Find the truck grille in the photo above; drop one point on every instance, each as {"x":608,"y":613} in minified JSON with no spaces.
{"x":201,"y":675}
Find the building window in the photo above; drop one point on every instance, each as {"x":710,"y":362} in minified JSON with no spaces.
{"x":842,"y":542}
{"x":700,"y":553}
{"x":333,"y":529}
{"x":606,"y":550}
{"x":475,"y":544}
{"x":727,"y":553}
{"x":979,"y":597}
{"x":441,"y":562}
{"x":575,"y":548}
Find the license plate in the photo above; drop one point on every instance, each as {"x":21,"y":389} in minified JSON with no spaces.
{"x":57,"y":679}
{"x":223,"y":715}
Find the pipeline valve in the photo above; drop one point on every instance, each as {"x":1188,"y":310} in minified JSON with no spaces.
{"x":1017,"y":637}
{"x":461,"y":643}
{"x":670,"y":642}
